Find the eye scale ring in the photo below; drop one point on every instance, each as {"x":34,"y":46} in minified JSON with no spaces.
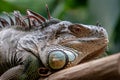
{"x":57,"y":59}
{"x":71,"y":56}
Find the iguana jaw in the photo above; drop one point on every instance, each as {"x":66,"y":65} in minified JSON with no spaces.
{"x":86,"y":45}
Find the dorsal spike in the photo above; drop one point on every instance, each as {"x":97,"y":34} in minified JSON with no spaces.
{"x":37,"y":15}
{"x":4,"y":22}
{"x":32,"y":21}
{"x":11,"y":20}
{"x":23,"y":23}
{"x":35,"y":23}
{"x":29,"y":20}
{"x":17,"y":18}
{"x":48,"y":12}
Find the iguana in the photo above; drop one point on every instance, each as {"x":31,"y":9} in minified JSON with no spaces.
{"x":32,"y":46}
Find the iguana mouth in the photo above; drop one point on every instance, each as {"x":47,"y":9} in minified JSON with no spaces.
{"x":80,"y":40}
{"x":85,"y":45}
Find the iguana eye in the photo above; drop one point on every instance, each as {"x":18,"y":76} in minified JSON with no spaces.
{"x":57,"y":59}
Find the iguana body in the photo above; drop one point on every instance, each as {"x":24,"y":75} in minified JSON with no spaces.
{"x":11,"y":56}
{"x":28,"y":48}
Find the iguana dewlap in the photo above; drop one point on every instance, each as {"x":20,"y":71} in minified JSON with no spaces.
{"x":33,"y":46}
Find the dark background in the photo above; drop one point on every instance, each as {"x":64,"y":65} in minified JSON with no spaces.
{"x":106,"y":12}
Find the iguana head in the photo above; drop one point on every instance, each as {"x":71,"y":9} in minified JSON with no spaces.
{"x":68,"y":44}
{"x":76,"y":42}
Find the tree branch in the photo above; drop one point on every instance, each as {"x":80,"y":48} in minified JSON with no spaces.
{"x":107,"y":68}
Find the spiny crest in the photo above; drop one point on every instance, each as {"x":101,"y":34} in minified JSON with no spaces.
{"x":29,"y":21}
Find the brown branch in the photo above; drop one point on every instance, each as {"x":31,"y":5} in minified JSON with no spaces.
{"x":107,"y":68}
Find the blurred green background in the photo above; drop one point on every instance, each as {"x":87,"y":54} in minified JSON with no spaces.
{"x":106,"y":12}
